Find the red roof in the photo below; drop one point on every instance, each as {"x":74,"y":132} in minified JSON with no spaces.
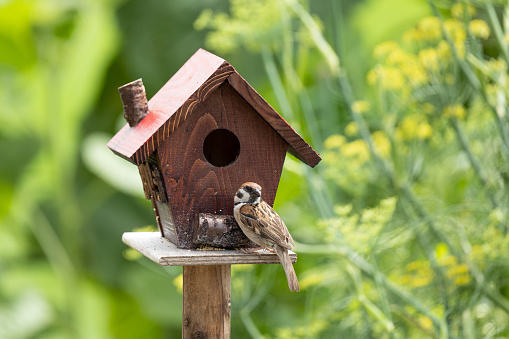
{"x":190,"y":86}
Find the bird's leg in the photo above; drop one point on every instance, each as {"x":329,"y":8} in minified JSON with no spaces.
{"x":251,"y":250}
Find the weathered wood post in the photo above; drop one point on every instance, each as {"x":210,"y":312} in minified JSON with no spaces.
{"x":201,"y":136}
{"x":206,"y":293}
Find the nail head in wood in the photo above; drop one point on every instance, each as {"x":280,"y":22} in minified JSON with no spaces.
{"x":135,"y":102}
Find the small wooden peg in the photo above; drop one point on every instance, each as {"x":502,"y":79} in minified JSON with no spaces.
{"x":135,"y":102}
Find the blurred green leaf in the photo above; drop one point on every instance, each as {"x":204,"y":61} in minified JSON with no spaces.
{"x":114,"y":170}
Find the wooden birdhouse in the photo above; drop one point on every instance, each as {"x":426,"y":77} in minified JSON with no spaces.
{"x":202,"y":135}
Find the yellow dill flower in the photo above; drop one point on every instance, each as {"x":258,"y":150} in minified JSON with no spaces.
{"x":415,"y":265}
{"x":382,"y":143}
{"x":496,"y":66}
{"x":360,"y":106}
{"x":178,"y":282}
{"x":412,"y":35}
{"x":424,"y":131}
{"x":334,"y":141}
{"x":356,"y":149}
{"x":457,"y":111}
{"x":462,"y":280}
{"x":444,"y":50}
{"x":430,"y":28}
{"x":372,"y":76}
{"x":398,"y":57}
{"x":351,"y":129}
{"x":384,"y":48}
{"x":311,"y":280}
{"x":479,"y":29}
{"x":456,"y":30}
{"x":458,"y":10}
{"x":429,"y":59}
{"x":425,"y":323}
{"x":447,"y":260}
{"x":407,"y":129}
{"x":392,"y":78}
{"x":457,"y":270}
{"x":421,"y":281}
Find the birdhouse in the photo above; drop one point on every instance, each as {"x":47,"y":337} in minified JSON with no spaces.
{"x":202,"y":135}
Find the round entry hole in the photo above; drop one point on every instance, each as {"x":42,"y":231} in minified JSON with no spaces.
{"x":221,"y":147}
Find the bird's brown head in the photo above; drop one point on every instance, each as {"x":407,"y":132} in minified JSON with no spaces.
{"x":248,"y":193}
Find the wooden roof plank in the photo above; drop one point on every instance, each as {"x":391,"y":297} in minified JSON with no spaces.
{"x":190,"y":86}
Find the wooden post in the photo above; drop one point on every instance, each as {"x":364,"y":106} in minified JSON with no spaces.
{"x":206,"y":302}
{"x":207,"y":280}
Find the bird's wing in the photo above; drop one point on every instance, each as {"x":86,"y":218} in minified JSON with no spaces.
{"x":265,"y":222}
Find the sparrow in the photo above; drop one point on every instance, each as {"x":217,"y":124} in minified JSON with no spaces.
{"x":263,"y":226}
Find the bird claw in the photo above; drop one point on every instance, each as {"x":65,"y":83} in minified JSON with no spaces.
{"x":255,"y":250}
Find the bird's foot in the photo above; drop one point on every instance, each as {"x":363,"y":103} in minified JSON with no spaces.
{"x":251,"y":250}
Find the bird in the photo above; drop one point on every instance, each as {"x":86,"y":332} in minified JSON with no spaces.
{"x":263,"y":226}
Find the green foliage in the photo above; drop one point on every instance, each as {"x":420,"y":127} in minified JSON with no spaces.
{"x":401,"y":230}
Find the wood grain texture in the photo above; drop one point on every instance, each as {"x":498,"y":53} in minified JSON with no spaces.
{"x":298,"y":147}
{"x":170,"y":106}
{"x":134,"y":101}
{"x":164,"y":253}
{"x":206,"y":302}
{"x":194,"y":185}
{"x":178,"y":98}
{"x":164,"y":220}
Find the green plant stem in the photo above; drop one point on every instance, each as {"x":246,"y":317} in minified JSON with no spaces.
{"x":497,"y":29}
{"x":474,"y":161}
{"x":475,"y":82}
{"x":367,"y":268}
{"x":277,"y":84}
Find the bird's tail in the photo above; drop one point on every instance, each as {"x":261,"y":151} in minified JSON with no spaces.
{"x":284,"y":257}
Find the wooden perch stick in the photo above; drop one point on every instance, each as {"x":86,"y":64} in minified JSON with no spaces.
{"x":135,"y":102}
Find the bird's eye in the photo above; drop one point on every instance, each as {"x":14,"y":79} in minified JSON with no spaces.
{"x":240,"y":195}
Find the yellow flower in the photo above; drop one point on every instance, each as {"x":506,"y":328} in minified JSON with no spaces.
{"x":462,"y":280}
{"x":412,"y":127}
{"x":425,"y":323}
{"x":479,"y":29}
{"x":382,"y":143}
{"x":351,"y":129}
{"x":447,"y":260}
{"x":458,"y":10}
{"x":415,"y":265}
{"x":399,"y":57}
{"x":496,"y":67}
{"x":334,"y":141}
{"x":421,"y":281}
{"x":444,"y":50}
{"x":424,"y":131}
{"x":506,"y":38}
{"x":383,"y":49}
{"x":429,"y":59}
{"x":455,"y":111}
{"x":356,"y":149}
{"x":457,"y":270}
{"x":178,"y":282}
{"x":391,"y":78}
{"x":456,"y":30}
{"x":360,"y":106}
{"x":430,"y":27}
{"x":311,"y":280}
